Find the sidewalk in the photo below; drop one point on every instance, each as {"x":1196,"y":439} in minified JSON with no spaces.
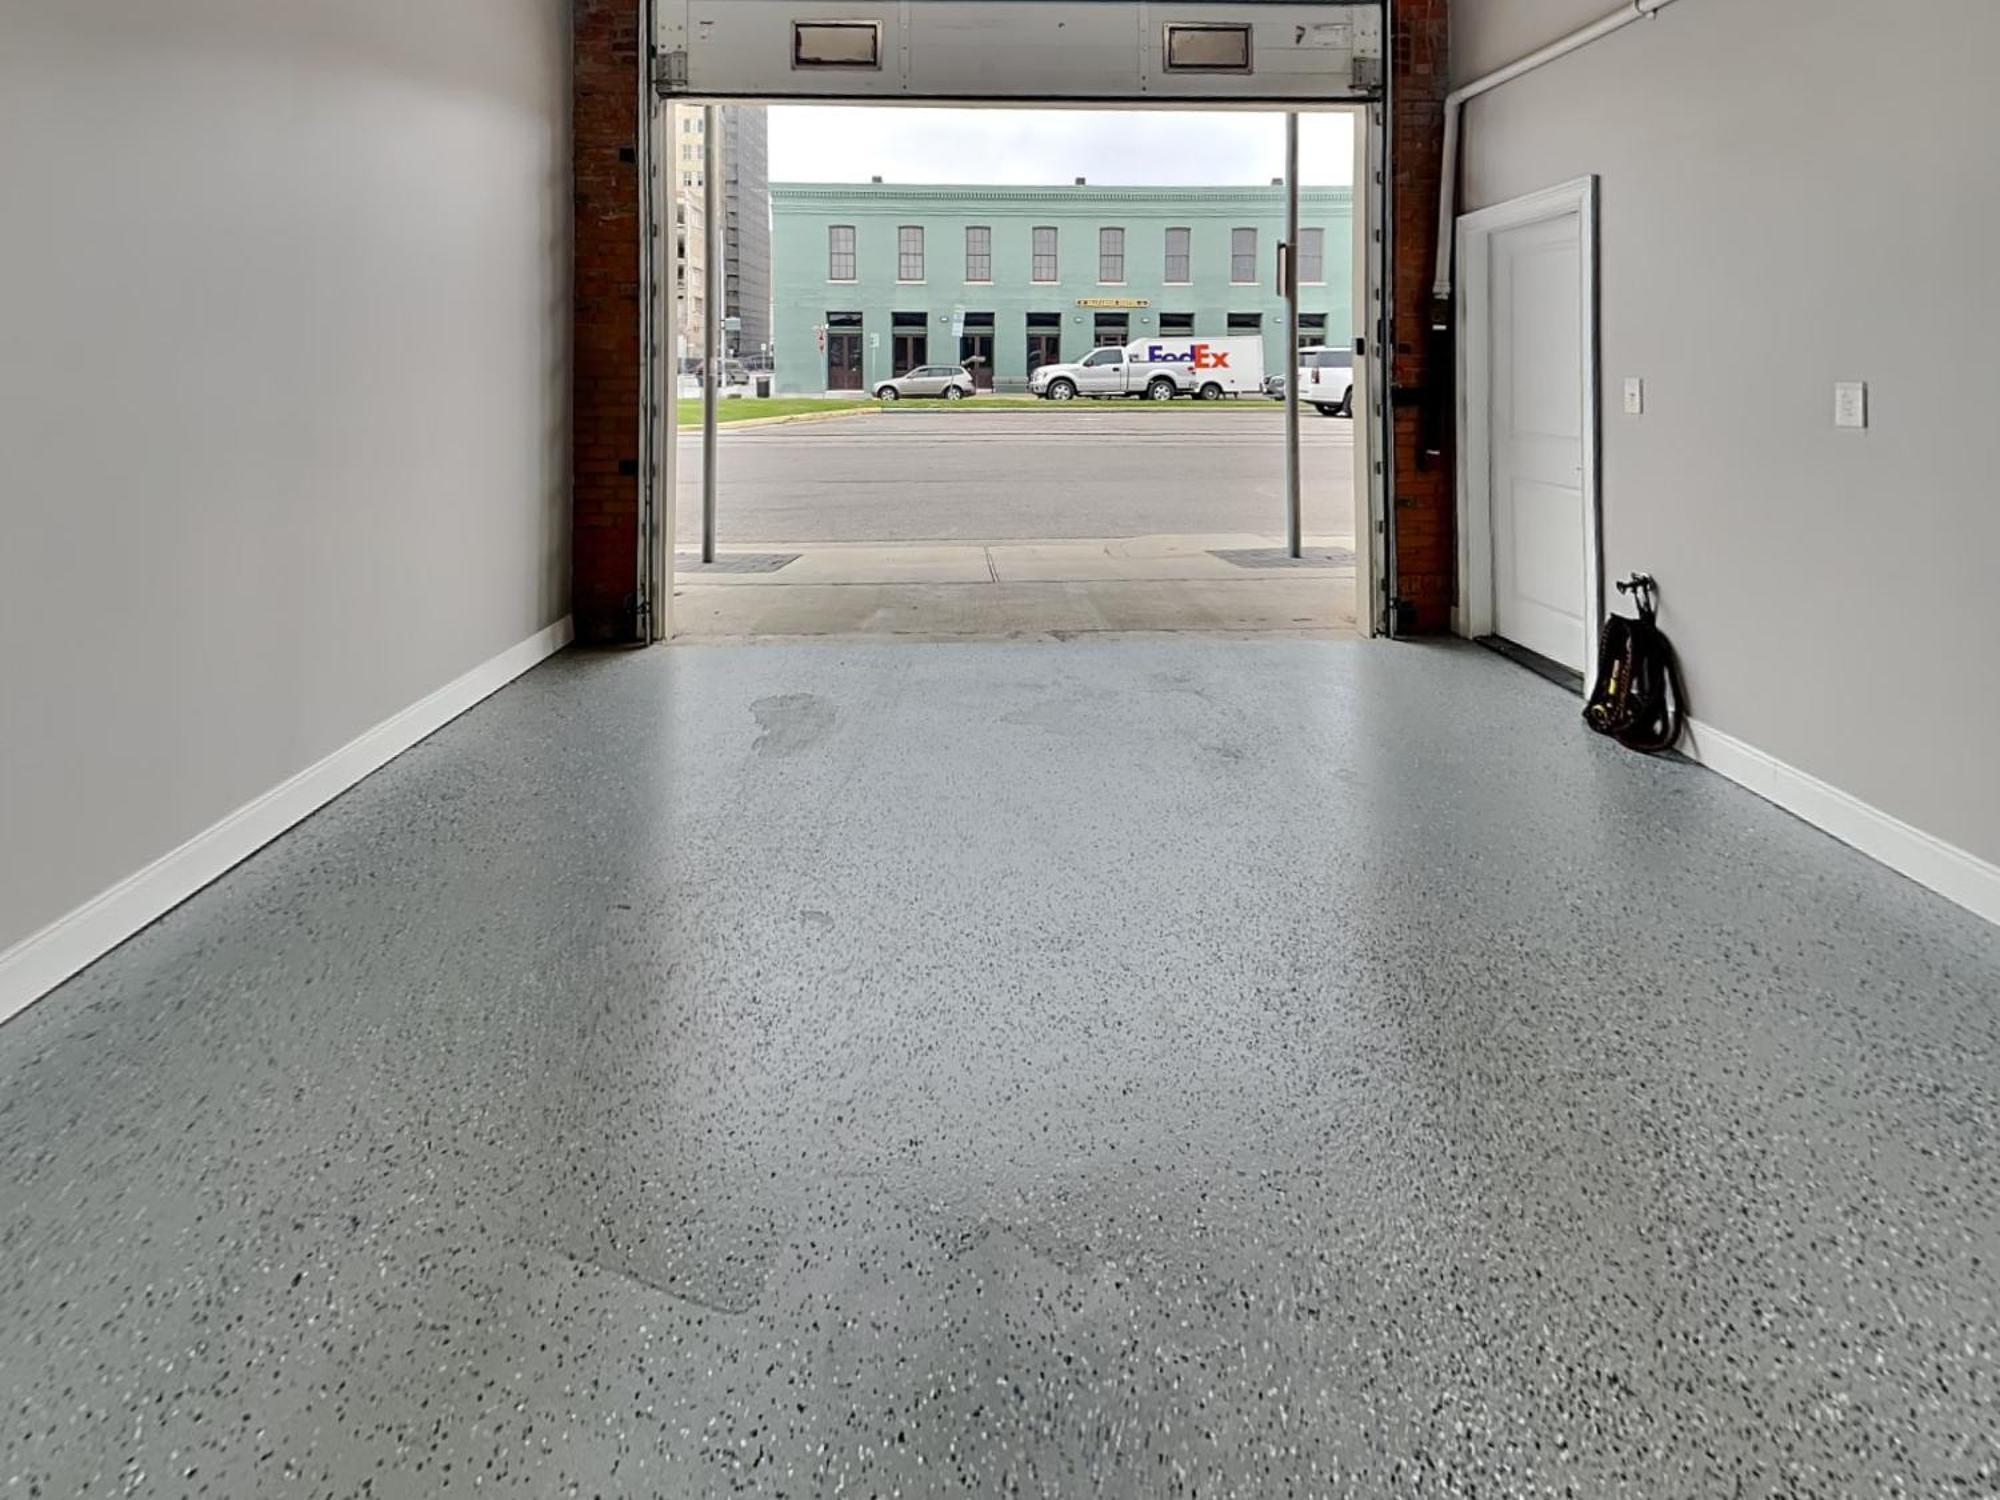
{"x":1227,"y":582}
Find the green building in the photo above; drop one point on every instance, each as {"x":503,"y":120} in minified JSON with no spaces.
{"x":870,"y":281}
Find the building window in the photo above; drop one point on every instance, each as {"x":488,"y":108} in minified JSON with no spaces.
{"x":840,"y":252}
{"x":1044,"y":340}
{"x":1114,"y":330}
{"x":1177,"y":323}
{"x":1180,"y":257}
{"x":1243,"y":257}
{"x":1312,"y":330}
{"x":978,"y":252}
{"x":911,"y":332}
{"x":1111,"y":256}
{"x":1045,"y":265}
{"x":1312,"y":257}
{"x":1246,"y":322}
{"x":910,"y":253}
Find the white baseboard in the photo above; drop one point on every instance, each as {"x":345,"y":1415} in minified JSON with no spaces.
{"x":1950,"y":871}
{"x":37,"y":964}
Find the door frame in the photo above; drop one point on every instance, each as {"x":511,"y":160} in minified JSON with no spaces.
{"x":663,"y":83}
{"x":1473,"y":613}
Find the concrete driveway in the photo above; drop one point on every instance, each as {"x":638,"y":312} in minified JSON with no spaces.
{"x":1018,"y":523}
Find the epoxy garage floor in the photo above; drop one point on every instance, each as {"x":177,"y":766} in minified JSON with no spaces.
{"x":1133,"y":1068}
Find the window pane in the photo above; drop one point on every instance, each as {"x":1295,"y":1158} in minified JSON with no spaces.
{"x":910,"y":253}
{"x":1312,"y":256}
{"x":1243,"y":256}
{"x":1111,"y":255}
{"x":978,"y":253}
{"x":1180,"y":255}
{"x":840,"y":252}
{"x":1044,"y":268}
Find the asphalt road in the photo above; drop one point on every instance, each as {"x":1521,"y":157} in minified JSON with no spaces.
{"x":920,"y":475}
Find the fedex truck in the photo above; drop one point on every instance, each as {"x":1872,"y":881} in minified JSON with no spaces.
{"x":1159,"y":369}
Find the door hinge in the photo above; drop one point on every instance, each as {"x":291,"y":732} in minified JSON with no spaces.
{"x":670,"y":73}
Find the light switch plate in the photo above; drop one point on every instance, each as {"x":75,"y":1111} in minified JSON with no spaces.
{"x":1635,"y":397}
{"x":1850,"y":404}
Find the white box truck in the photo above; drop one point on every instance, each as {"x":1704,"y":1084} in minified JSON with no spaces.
{"x":1159,"y":369}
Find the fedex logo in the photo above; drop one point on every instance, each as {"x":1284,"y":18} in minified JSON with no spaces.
{"x":1201,"y":356}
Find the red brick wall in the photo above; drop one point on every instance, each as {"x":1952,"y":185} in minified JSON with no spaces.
{"x":1426,"y":546}
{"x":607,"y":351}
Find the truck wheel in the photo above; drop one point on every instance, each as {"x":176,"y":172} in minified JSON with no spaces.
{"x":1160,"y":390}
{"x":1062,"y":390}
{"x":1325,"y":410}
{"x":1211,"y":392}
{"x":1347,"y":404}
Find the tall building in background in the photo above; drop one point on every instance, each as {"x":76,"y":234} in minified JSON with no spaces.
{"x":746,"y":163}
{"x":746,"y":230}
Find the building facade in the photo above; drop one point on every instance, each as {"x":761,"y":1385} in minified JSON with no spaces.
{"x":873,"y":280}
{"x":746,"y":233}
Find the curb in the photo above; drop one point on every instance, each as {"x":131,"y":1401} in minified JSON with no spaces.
{"x":801,"y":416}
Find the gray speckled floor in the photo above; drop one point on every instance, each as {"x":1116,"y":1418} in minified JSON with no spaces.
{"x":1141,"y":1068}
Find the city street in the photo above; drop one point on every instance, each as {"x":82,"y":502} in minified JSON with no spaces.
{"x":928,"y":474}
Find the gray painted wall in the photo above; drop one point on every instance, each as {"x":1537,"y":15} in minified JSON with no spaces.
{"x":1794,"y":192}
{"x":284,"y":302}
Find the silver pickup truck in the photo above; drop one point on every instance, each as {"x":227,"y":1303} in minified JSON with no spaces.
{"x":1159,"y":370}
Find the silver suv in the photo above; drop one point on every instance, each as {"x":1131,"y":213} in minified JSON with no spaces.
{"x":952,"y":382}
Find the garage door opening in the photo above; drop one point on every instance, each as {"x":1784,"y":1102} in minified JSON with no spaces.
{"x":982,"y":369}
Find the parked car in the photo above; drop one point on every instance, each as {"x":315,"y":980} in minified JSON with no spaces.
{"x":1158,"y":369}
{"x":952,"y":382}
{"x":1326,"y":381}
{"x":1274,"y":387}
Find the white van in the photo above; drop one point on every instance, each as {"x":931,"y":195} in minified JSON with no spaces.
{"x":1159,"y":369}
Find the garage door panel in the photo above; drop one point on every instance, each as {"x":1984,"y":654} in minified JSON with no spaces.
{"x":1030,"y":50}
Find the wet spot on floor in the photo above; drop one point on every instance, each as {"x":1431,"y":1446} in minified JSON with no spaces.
{"x":792,"y":723}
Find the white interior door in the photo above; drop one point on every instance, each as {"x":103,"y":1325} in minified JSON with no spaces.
{"x":1538,"y":418}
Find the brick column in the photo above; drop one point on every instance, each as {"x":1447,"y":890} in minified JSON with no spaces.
{"x":606,"y":343}
{"x":1422,"y":490}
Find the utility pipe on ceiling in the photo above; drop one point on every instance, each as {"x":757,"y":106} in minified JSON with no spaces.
{"x":1454,"y":107}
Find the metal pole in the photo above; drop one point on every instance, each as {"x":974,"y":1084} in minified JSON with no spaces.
{"x":1294,"y":521}
{"x":711,"y":380}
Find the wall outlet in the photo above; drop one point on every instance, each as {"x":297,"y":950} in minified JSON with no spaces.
{"x":1850,"y":404}
{"x":1635,"y":397}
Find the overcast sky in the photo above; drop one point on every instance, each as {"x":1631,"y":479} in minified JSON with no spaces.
{"x":818,"y":143}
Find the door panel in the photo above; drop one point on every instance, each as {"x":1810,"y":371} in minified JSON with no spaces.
{"x":976,"y":351}
{"x":1103,"y":379}
{"x":1541,"y":595}
{"x":843,"y":361}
